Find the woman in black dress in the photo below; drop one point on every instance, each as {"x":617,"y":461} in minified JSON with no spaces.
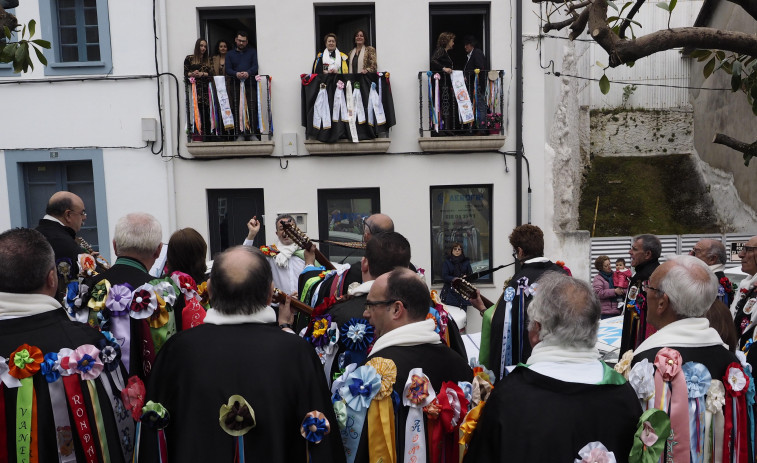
{"x":441,"y":64}
{"x":197,"y":67}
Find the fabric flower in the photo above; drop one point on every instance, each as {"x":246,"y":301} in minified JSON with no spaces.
{"x":388,"y":372}
{"x":433,"y":409}
{"x":648,"y":435}
{"x":668,"y":362}
{"x":63,"y":362}
{"x":452,"y":403}
{"x":595,"y":452}
{"x":65,"y":269}
{"x":340,"y":410}
{"x":341,"y":380}
{"x":319,"y":327}
{"x":715,"y":397}
{"x":697,"y":379}
{"x":86,"y":264}
{"x":202,"y":291}
{"x":315,"y":426}
{"x":87,"y":361}
{"x":119,"y":299}
{"x":143,"y":302}
{"x":467,"y":389}
{"x":25,"y":361}
{"x":509,"y":294}
{"x":133,"y":396}
{"x":165,"y":289}
{"x":185,"y":283}
{"x":72,"y":297}
{"x":624,"y":364}
{"x":269,"y":251}
{"x":417,"y":391}
{"x":482,"y":371}
{"x":160,"y":316}
{"x":49,"y":367}
{"x":98,"y":295}
{"x":357,"y":334}
{"x":735,"y":378}
{"x":5,"y":377}
{"x":237,"y":416}
{"x":155,"y":415}
{"x":641,"y":378}
{"x":481,"y":390}
{"x":360,"y":387}
{"x":321,"y":308}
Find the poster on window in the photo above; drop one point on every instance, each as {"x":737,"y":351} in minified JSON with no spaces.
{"x":461,"y":217}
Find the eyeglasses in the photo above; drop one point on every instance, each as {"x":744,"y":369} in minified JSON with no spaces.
{"x":645,"y":287}
{"x":694,"y":251}
{"x":82,"y":213}
{"x":369,"y":304}
{"x":365,"y":226}
{"x":747,"y":249}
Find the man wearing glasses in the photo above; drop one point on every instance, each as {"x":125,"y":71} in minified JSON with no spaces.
{"x":712,"y":252}
{"x":645,"y":254}
{"x":64,"y":217}
{"x":745,"y":300}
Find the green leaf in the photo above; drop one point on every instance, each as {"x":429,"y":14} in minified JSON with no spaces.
{"x":720,"y":55}
{"x":700,"y":53}
{"x":611,"y":19}
{"x":33,"y":27}
{"x":672,"y":5}
{"x":737,"y":66}
{"x":7,"y":32}
{"x":663,"y":5}
{"x":635,"y":22}
{"x":23,"y":31}
{"x":626,"y":5}
{"x":8,"y":53}
{"x":735,"y":82}
{"x":630,"y":64}
{"x":613,"y":6}
{"x":40,"y":56}
{"x":708,"y":68}
{"x":41,"y":43}
{"x":604,"y":85}
{"x":616,"y":29}
{"x":727,"y":67}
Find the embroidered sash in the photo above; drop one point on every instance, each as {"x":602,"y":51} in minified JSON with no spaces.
{"x":213,"y":114}
{"x":418,"y":393}
{"x":462,"y":97}
{"x":375,"y":108}
{"x":244,"y":115}
{"x":340,"y":112}
{"x":223,"y":102}
{"x":321,"y":116}
{"x":196,"y":122}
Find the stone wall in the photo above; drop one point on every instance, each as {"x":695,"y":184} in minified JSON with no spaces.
{"x":637,"y":132}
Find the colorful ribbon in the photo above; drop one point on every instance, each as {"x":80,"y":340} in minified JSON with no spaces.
{"x":359,"y":389}
{"x":381,"y":431}
{"x":669,"y":377}
{"x":417,"y":394}
{"x":196,"y":122}
{"x":735,"y":445}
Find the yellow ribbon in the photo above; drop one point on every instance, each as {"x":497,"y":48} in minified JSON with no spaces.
{"x":469,"y":425}
{"x":381,"y":432}
{"x":99,"y":294}
{"x":160,"y":316}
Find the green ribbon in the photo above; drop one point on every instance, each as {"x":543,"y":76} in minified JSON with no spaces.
{"x":23,"y":416}
{"x":660,"y":422}
{"x":22,"y":359}
{"x":99,"y":422}
{"x":486,"y":329}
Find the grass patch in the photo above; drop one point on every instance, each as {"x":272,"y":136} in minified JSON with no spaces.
{"x":662,"y":195}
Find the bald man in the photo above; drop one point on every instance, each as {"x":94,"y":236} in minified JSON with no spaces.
{"x":713,"y":253}
{"x":64,"y":217}
{"x":239,"y":351}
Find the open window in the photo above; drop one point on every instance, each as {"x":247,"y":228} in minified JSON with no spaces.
{"x":462,"y":20}
{"x":340,"y":219}
{"x":344,"y":20}
{"x":223,"y":23}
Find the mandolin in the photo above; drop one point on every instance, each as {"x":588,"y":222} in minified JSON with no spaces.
{"x":88,"y":247}
{"x":280,"y":298}
{"x":468,"y":291}
{"x":302,"y":240}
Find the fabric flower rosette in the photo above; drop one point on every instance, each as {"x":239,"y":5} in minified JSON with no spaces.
{"x":156,"y":417}
{"x":237,"y":418}
{"x":163,"y":321}
{"x":133,"y":396}
{"x":624,"y":364}
{"x":314,"y":428}
{"x":714,"y":420}
{"x":144,"y":303}
{"x":651,"y":437}
{"x":118,"y":302}
{"x":324,"y":335}
{"x":357,"y":392}
{"x":96,"y":303}
{"x":381,"y":430}
{"x":735,"y":432}
{"x":22,"y":364}
{"x":641,"y":378}
{"x":671,"y":395}
{"x":186,"y":284}
{"x":355,"y":335}
{"x":417,"y":394}
{"x":480,"y":391}
{"x":445,"y":414}
{"x":595,"y":452}
{"x":87,"y":264}
{"x":698,"y":381}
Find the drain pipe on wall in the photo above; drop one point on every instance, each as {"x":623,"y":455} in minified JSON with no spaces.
{"x":519,"y":118}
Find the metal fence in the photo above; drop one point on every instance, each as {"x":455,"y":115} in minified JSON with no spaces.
{"x":219,"y":113}
{"x":618,"y":246}
{"x":438,"y":103}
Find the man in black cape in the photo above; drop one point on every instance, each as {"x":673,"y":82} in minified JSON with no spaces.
{"x":645,"y":254}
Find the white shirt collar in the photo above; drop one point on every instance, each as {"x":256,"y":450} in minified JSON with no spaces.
{"x":53,"y":219}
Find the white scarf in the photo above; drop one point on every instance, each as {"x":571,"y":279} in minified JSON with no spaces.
{"x":286,"y":251}
{"x":360,"y":59}
{"x":333,"y":63}
{"x":14,"y":305}
{"x":746,"y":283}
{"x":689,"y":332}
{"x":717,"y":267}
{"x":569,"y":364}
{"x":264,"y":315}
{"x":411,"y":334}
{"x":361,"y":289}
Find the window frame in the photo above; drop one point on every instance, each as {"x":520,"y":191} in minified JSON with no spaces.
{"x":48,"y":10}
{"x":324,"y":215}
{"x":361,"y":9}
{"x":437,"y":255}
{"x":457,"y":9}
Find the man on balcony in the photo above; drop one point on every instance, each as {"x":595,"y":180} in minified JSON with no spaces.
{"x":242,"y":66}
{"x":476,"y":60}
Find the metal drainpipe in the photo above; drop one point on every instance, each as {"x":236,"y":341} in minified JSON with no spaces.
{"x":519,"y":113}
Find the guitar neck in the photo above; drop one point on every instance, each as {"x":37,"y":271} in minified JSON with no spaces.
{"x":322,"y":259}
{"x":280,"y":297}
{"x":486,"y":302}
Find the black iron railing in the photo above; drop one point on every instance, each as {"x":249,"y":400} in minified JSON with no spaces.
{"x":228,"y":109}
{"x":469,"y":103}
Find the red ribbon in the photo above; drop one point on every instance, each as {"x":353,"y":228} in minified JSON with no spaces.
{"x":738,"y":437}
{"x":162,"y":446}
{"x":148,"y":348}
{"x":79,"y":412}
{"x":450,"y":423}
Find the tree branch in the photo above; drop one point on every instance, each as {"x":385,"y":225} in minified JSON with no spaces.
{"x":627,"y":22}
{"x":580,"y":24}
{"x":574,"y":6}
{"x":749,"y":150}
{"x":7,"y":19}
{"x":559,"y":25}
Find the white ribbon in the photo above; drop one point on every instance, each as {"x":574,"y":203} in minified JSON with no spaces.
{"x":63,"y":431}
{"x":124,"y":422}
{"x":223,"y":102}
{"x":415,"y":432}
{"x":462,"y":97}
{"x":6,"y":377}
{"x":340,"y":112}
{"x":321,"y":116}
{"x":375,"y":108}
{"x":351,"y":112}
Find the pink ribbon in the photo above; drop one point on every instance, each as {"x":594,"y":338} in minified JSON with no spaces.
{"x":668,"y":363}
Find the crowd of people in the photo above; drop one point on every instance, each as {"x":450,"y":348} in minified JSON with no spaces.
{"x":105,"y":362}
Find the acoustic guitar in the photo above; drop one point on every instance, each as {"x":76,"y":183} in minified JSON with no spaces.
{"x":468,"y":291}
{"x":295,"y":234}
{"x":280,"y":298}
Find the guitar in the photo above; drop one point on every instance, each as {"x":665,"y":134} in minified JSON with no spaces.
{"x":88,"y":247}
{"x":468,"y":291}
{"x":280,"y":298}
{"x":302,"y":240}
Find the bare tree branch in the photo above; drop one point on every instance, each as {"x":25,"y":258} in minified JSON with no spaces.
{"x":7,"y":19}
{"x":580,"y":24}
{"x":627,"y":22}
{"x":559,"y":25}
{"x":749,"y":150}
{"x":574,"y":6}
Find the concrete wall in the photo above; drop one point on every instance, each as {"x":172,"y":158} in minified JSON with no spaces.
{"x":720,"y":111}
{"x":641,"y":133}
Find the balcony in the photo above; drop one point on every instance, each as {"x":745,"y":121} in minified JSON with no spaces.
{"x":445,"y":101}
{"x":229,"y":118}
{"x":360,"y":120}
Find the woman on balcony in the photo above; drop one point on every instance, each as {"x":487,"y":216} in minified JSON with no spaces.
{"x":362,"y":58}
{"x":331,"y":60}
{"x":196,"y":75}
{"x":441,"y":64}
{"x":218,"y":62}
